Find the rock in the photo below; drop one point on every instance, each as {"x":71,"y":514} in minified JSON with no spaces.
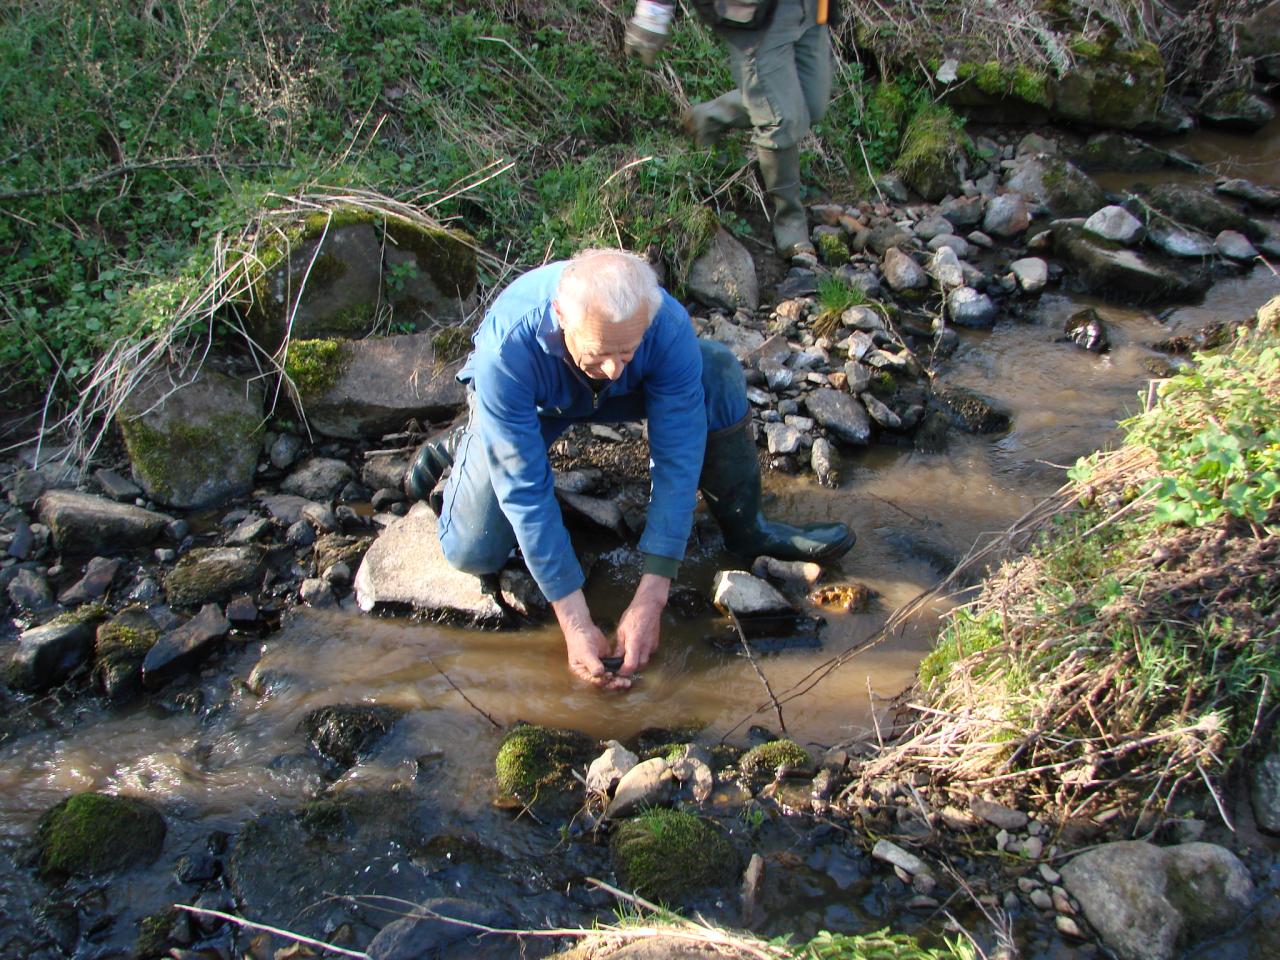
{"x":857,"y":378}
{"x":893,"y":854}
{"x":386,"y":470}
{"x":1181,"y":243}
{"x":822,"y":460}
{"x":120,"y":647}
{"x":535,"y":765}
{"x":1115,"y":224}
{"x":344,"y":734}
{"x":901,"y":272}
{"x":1121,"y":152}
{"x":192,"y":442}
{"x":423,"y":933}
{"x":971,"y":411}
{"x":694,"y":771}
{"x":29,"y":591}
{"x":208,"y":574}
{"x":1111,"y":83}
{"x":1056,"y":182}
{"x":96,"y":833}
{"x":242,"y":611}
{"x":49,"y":654}
{"x":667,"y":854}
{"x":285,"y":450}
{"x":320,"y":516}
{"x":799,"y":572}
{"x":645,"y":785}
{"x":406,"y":566}
{"x":933,"y":226}
{"x":997,"y":814}
{"x":1191,"y":206}
{"x":22,"y":541}
{"x":893,"y":187}
{"x":1264,"y":786}
{"x":752,"y":881}
{"x":776,"y":375}
{"x":887,"y":236}
{"x":880,"y":413}
{"x":1145,"y":901}
{"x":782,"y":438}
{"x":1267,"y":198}
{"x":97,"y":579}
{"x":84,"y":524}
{"x":1031,"y":273}
{"x":608,"y":768}
{"x":1034,"y":143}
{"x":933,"y":156}
{"x":745,"y":595}
{"x":945,"y":268}
{"x":969,"y":308}
{"x":950,"y":241}
{"x":606,"y":514}
{"x":1235,"y":245}
{"x":724,"y":276}
{"x":1124,"y":275}
{"x":1006,"y":216}
{"x":1236,"y":110}
{"x":117,"y":487}
{"x":1086,"y":330}
{"x":319,"y":478}
{"x":248,"y":530}
{"x":840,"y":414}
{"x":27,"y":487}
{"x":316,"y":592}
{"x":741,"y":340}
{"x":963,"y":212}
{"x":300,"y":534}
{"x":178,"y":652}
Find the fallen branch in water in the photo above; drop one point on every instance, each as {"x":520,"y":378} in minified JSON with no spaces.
{"x":746,"y":648}
{"x":288,"y":935}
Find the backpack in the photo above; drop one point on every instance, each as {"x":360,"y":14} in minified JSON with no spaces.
{"x":736,"y":14}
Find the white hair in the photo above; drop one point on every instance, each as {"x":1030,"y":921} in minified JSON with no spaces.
{"x":615,"y":283}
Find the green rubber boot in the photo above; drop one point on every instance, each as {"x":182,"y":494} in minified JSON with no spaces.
{"x":730,"y":483}
{"x":430,"y":465}
{"x":707,"y":123}
{"x":780,"y":170}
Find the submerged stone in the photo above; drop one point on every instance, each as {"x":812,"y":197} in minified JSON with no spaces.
{"x":343,"y":734}
{"x":180,"y":651}
{"x":1086,"y":330}
{"x":971,"y":411}
{"x":95,"y":833}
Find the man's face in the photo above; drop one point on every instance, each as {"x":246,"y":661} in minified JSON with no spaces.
{"x":599,"y":348}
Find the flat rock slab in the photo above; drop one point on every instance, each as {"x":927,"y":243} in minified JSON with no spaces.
{"x":405,"y":566}
{"x":1124,"y":275}
{"x":178,"y":652}
{"x":84,"y":524}
{"x":840,"y":414}
{"x":744,"y":595}
{"x":95,"y":582}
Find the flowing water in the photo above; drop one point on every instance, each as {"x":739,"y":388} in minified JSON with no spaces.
{"x":236,"y":754}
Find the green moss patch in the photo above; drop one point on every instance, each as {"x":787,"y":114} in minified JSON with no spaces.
{"x":92,"y":833}
{"x":667,"y":854}
{"x":450,"y":344}
{"x":534,"y":762}
{"x":314,"y":365}
{"x":763,"y":760}
{"x":996,"y":79}
{"x":932,"y":149}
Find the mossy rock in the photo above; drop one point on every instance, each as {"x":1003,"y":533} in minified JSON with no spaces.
{"x":208,"y":574}
{"x":336,"y":547}
{"x":94,"y":833}
{"x":1192,"y":206}
{"x":344,"y":733}
{"x":153,"y":941}
{"x":196,"y":444}
{"x":1112,"y":84}
{"x":314,"y":365}
{"x":992,"y":91}
{"x":666,"y":855}
{"x":832,"y":249}
{"x":764,"y":760}
{"x":534,"y":766}
{"x":120,"y":647}
{"x":933,"y":156}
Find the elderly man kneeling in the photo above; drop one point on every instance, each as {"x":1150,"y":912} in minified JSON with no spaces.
{"x":596,"y":339}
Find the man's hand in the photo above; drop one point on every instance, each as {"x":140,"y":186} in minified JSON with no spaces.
{"x":647,"y":31}
{"x":583,"y":641}
{"x":641,"y":622}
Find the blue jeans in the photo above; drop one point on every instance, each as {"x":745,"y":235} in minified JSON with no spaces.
{"x":475,"y":535}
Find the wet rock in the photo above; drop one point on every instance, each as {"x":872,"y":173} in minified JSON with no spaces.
{"x":315,"y":592}
{"x":27,"y":487}
{"x":971,"y":411}
{"x":320,"y":516}
{"x":117,"y":487}
{"x":192,"y":442}
{"x":608,"y":768}
{"x":1146,"y":901}
{"x":1031,"y":273}
{"x":1056,"y":182}
{"x":344,"y":734}
{"x":1236,"y":110}
{"x":285,"y":450}
{"x":300,"y":534}
{"x":695,"y":772}
{"x":725,"y":275}
{"x":645,"y":785}
{"x":22,"y":540}
{"x":782,"y":438}
{"x":880,"y":413}
{"x":48,"y":655}
{"x":969,"y":308}
{"x":741,"y":340}
{"x":1115,"y":224}
{"x":667,"y":854}
{"x":1086,"y":330}
{"x":319,"y":478}
{"x":84,"y":524}
{"x":405,"y":565}
{"x":242,"y":611}
{"x":180,"y":651}
{"x":535,"y":765}
{"x":120,"y":647}
{"x":745,"y":595}
{"x":1267,"y":198}
{"x":1006,"y":215}
{"x":901,"y":272}
{"x":1235,"y":245}
{"x":209,"y":574}
{"x":30,"y":591}
{"x":97,"y":579}
{"x":423,"y":933}
{"x":1264,"y":786}
{"x":1120,"y":152}
{"x":822,"y":460}
{"x":1191,"y":206}
{"x":1181,"y":243}
{"x":606,"y":514}
{"x":773,"y":759}
{"x":841,"y":414}
{"x":89,"y":834}
{"x":1124,"y":275}
{"x":248,"y":530}
{"x":339,"y":548}
{"x":788,"y":571}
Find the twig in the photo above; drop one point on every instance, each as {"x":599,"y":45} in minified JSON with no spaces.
{"x":457,"y":689}
{"x":297,"y":937}
{"x":746,"y":648}
{"x":528,"y":63}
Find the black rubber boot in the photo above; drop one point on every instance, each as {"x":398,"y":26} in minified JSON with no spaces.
{"x":731,"y":485}
{"x":431,"y":464}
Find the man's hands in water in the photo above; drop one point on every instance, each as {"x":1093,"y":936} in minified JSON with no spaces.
{"x":637,"y":634}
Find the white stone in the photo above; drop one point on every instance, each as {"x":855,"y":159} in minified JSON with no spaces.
{"x":1115,"y":223}
{"x":1032,"y":274}
{"x":893,"y":854}
{"x":644,"y":785}
{"x":740,"y":592}
{"x":610,"y":767}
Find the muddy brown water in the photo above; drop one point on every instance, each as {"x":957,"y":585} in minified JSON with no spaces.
{"x":915,"y":514}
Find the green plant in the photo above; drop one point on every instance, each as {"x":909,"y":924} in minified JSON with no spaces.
{"x":881,"y":945}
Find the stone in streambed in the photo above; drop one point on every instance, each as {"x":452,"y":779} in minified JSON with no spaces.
{"x":739,"y":592}
{"x":343,"y":734}
{"x":30,"y":591}
{"x":969,"y":308}
{"x":96,"y":833}
{"x":535,"y":765}
{"x":84,"y":524}
{"x":178,"y":652}
{"x":120,"y":647}
{"x":98,"y":575}
{"x":1234,"y":245}
{"x":209,"y":574}
{"x":319,"y":478}
{"x":668,"y":854}
{"x":427,"y":932}
{"x":647,"y":784}
{"x":840,"y":414}
{"x":971,"y":411}
{"x":1006,"y":216}
{"x":725,"y":275}
{"x":49,"y":654}
{"x":1116,"y":224}
{"x":1086,"y":330}
{"x":901,"y":272}
{"x":1121,"y":274}
{"x":610,"y":767}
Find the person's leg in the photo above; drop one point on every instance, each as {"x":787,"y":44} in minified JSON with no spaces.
{"x":475,"y":535}
{"x":813,"y":67}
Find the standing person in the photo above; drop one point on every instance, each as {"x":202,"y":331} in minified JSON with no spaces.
{"x":780,"y":54}
{"x":596,"y":339}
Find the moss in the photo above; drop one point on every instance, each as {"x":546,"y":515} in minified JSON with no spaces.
{"x":326,"y":270}
{"x":768,"y":757}
{"x":213,"y":573}
{"x":314,"y":365}
{"x":533,"y":758}
{"x":999,"y":80}
{"x":93,"y":833}
{"x":164,"y":459}
{"x":832,"y":249}
{"x":153,"y":935}
{"x":450,"y":344}
{"x":964,"y":635}
{"x":931,"y":147}
{"x":91,"y":613}
{"x":131,"y":634}
{"x":666,"y":854}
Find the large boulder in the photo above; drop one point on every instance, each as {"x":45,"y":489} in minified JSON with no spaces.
{"x":82,"y":523}
{"x":335,"y":273}
{"x":406,"y":567}
{"x":365,"y":388}
{"x":1111,"y":84}
{"x":192,"y":441}
{"x":1122,"y":275}
{"x":725,"y":275}
{"x":1146,"y":902}
{"x":1057,"y":183}
{"x":933,"y":156}
{"x":96,"y":833}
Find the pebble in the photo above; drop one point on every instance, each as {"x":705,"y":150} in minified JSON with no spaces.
{"x":1002,"y":839}
{"x":1048,"y":874}
{"x":316,"y":593}
{"x":1068,"y":927}
{"x":894,"y":854}
{"x":1061,"y":902}
{"x":1041,"y":899}
{"x":165,"y":555}
{"x":1031,"y":848}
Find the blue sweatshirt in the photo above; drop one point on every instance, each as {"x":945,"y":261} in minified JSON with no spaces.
{"x":521,"y":372}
